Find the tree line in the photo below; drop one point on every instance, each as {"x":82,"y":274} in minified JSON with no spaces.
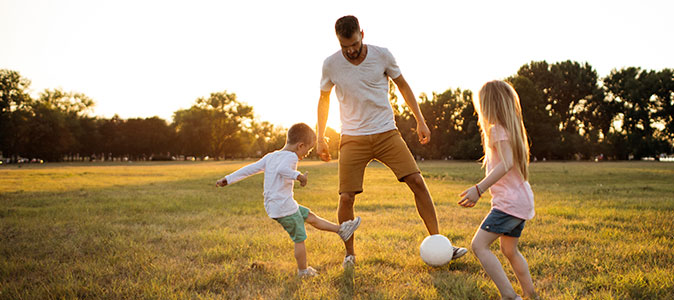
{"x":569,"y":113}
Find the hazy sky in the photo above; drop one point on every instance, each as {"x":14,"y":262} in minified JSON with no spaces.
{"x":151,"y":58}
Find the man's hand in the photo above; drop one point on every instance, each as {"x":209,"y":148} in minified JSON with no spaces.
{"x":323,"y":150}
{"x":423,"y":132}
{"x":221,"y":182}
{"x":470,"y":197}
{"x":303,"y":178}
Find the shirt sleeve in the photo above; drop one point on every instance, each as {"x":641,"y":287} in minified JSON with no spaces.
{"x":326,"y":82}
{"x":246,"y":171}
{"x":392,"y":69}
{"x":496,"y":134}
{"x":288,"y":168}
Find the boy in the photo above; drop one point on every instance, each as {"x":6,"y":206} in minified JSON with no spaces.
{"x":280,"y":173}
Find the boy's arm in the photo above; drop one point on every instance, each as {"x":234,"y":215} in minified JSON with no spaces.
{"x":288,"y":169}
{"x":471,"y":195}
{"x":303,"y":178}
{"x":221,"y":182}
{"x":242,"y":173}
{"x":422,"y":129}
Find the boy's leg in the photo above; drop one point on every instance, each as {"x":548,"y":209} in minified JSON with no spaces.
{"x":301,"y":255}
{"x":519,"y":264}
{"x":491,"y":264}
{"x":321,"y":224}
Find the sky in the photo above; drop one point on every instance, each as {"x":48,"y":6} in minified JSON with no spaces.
{"x":152,"y":58}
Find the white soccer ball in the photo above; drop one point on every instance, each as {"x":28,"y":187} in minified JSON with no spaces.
{"x":436,"y":250}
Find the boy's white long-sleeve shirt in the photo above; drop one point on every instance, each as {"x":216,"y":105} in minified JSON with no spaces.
{"x":280,"y":173}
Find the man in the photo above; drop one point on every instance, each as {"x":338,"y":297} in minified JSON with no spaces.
{"x":360,"y":73}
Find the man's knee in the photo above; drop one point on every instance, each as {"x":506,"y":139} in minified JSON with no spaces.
{"x":415,"y":181}
{"x":347,"y":199}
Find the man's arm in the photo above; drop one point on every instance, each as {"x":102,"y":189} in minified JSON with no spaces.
{"x":323,"y":109}
{"x":422,"y":129}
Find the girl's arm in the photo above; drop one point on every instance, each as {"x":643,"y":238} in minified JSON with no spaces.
{"x":472,"y":194}
{"x":242,"y":173}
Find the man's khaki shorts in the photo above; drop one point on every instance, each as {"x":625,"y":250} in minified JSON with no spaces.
{"x":355,"y":152}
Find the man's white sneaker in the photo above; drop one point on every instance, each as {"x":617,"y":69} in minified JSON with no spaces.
{"x":458,"y":252}
{"x":347,"y":228}
{"x":349,"y":261}
{"x":308,"y":272}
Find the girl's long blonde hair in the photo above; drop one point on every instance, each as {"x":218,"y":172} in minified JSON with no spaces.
{"x":498,"y":103}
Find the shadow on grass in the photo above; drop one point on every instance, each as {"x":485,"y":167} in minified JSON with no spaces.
{"x":346,"y":284}
{"x":291,"y":287}
{"x":457,"y":285}
{"x":457,"y":280}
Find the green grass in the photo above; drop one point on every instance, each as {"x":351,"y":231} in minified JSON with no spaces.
{"x":163,"y":231}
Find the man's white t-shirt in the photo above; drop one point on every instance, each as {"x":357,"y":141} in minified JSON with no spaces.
{"x":280,"y":172}
{"x":362,"y":90}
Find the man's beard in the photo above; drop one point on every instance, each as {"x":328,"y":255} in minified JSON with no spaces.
{"x":357,"y":53}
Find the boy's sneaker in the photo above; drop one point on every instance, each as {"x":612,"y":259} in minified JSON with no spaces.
{"x":308,"y":272}
{"x":347,"y":228}
{"x":458,"y":252}
{"x":349,"y":261}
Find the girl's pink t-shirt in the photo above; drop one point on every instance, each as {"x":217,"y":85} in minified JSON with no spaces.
{"x":511,"y":194}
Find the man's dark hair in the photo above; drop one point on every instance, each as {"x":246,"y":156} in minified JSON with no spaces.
{"x":346,"y":26}
{"x":300,"y":132}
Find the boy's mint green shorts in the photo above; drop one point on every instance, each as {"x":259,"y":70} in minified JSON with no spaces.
{"x":294,"y":224}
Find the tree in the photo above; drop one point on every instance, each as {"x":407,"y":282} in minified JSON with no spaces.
{"x":13,"y":98}
{"x":664,"y":99}
{"x":469,"y":142}
{"x":48,"y":133}
{"x":541,"y":126}
{"x":266,"y":138}
{"x":144,"y":138}
{"x":193,"y":131}
{"x":575,"y":104}
{"x":13,"y":89}
{"x":111,"y":138}
{"x":642,"y":99}
{"x":214,"y":126}
{"x":450,"y":117}
{"x":73,"y":108}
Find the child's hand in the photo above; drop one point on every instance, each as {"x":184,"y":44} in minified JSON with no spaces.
{"x":221,"y":182}
{"x":470,"y":197}
{"x":303,"y":178}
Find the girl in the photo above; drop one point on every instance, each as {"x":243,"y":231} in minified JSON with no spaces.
{"x":506,"y":149}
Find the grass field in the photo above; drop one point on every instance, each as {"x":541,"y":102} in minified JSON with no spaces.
{"x":163,"y":231}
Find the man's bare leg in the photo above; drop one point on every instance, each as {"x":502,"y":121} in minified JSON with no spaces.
{"x":345,"y":213}
{"x":424,"y":202}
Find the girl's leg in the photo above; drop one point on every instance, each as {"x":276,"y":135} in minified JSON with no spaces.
{"x":321,"y":224}
{"x":519,"y":264}
{"x":491,"y":264}
{"x":301,"y":255}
